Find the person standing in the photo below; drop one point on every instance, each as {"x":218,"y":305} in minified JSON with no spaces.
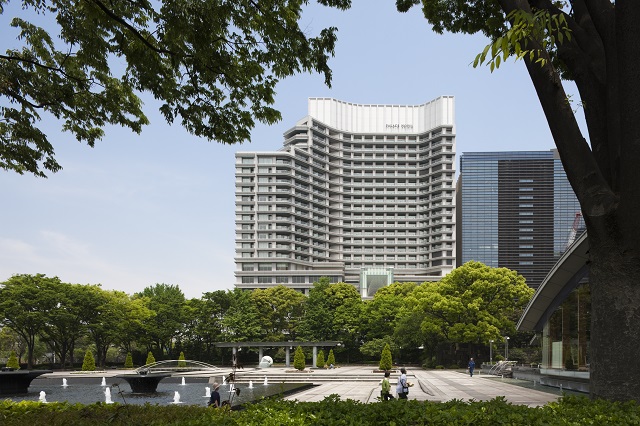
{"x":472,"y":366}
{"x":385,"y":393}
{"x":215,"y":396}
{"x":402,"y":388}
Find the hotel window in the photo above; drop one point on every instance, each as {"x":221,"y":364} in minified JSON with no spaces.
{"x":282,"y":280}
{"x":298,"y":280}
{"x":247,"y":266}
{"x":265,"y":280}
{"x":247,"y":160}
{"x":247,"y":280}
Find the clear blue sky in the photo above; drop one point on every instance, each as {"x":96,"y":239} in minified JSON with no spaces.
{"x":159,"y":207}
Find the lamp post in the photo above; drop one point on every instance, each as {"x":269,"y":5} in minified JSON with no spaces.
{"x":491,"y":352}
{"x":506,"y":348}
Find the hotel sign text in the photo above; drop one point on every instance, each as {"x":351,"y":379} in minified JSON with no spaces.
{"x":400,"y":126}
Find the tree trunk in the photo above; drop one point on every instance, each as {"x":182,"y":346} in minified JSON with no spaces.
{"x":31,"y":344}
{"x":614,"y":276}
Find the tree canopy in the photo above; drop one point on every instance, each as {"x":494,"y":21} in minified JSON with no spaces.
{"x":213,"y":66}
{"x":70,"y":318}
{"x":473,"y":304}
{"x":24,"y":303}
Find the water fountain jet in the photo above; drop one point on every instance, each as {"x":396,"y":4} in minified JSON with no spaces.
{"x":43,"y":397}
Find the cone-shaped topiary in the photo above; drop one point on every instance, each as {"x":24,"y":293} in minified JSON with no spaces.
{"x":89,"y":363}
{"x":298,"y":359}
{"x":12,"y":362}
{"x":385,"y":359}
{"x":320,"y":359}
{"x":181,"y":359}
{"x":128,"y":362}
{"x":331,"y":360}
{"x":150,"y":358}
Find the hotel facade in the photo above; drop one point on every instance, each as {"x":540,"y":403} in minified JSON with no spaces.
{"x":363,"y":194}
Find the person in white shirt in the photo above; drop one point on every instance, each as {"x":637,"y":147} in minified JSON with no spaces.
{"x":402,"y":388}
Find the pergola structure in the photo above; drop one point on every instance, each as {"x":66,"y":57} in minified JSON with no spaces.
{"x":288,"y":346}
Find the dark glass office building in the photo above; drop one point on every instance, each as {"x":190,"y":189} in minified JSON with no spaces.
{"x":516,"y":210}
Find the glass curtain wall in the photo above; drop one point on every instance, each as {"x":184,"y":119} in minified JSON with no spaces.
{"x":566,"y":335}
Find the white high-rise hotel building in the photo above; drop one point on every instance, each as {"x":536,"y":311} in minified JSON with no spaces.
{"x":363,"y":194}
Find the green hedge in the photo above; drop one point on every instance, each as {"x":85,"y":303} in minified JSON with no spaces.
{"x":331,"y":411}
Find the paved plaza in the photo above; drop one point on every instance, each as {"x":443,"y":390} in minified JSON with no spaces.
{"x":430,"y":385}
{"x":361,"y":383}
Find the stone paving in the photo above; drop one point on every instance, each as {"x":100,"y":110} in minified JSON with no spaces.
{"x":434,"y":385}
{"x":361,"y":383}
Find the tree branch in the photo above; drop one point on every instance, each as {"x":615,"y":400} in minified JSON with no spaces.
{"x":583,"y":173}
{"x":130,"y":27}
{"x":46,"y":67}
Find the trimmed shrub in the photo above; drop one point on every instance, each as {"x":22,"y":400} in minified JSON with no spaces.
{"x":298,"y":359}
{"x":330,"y":411}
{"x":128,"y":362}
{"x":385,"y":359}
{"x":89,"y":363}
{"x":331,"y":360}
{"x":320,"y":359}
{"x":181,"y":360}
{"x":150,"y":358}
{"x":12,"y":362}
